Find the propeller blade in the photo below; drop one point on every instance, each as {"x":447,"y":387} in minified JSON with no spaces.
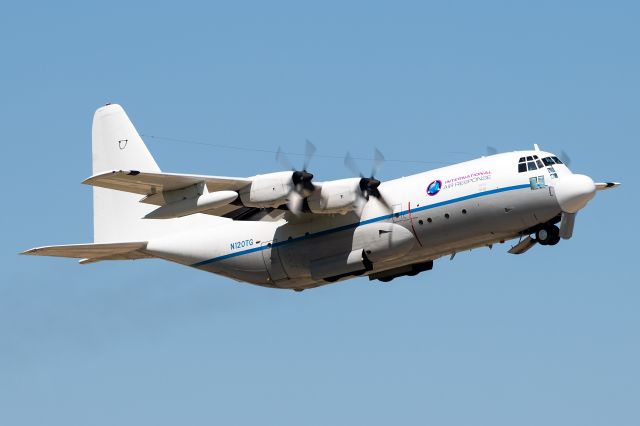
{"x":350,"y":164}
{"x":282,"y":158}
{"x":378,"y":160}
{"x":566,"y":225}
{"x":309,"y":150}
{"x":295,"y":202}
{"x":565,"y":158}
{"x":384,"y":202}
{"x":359,"y":204}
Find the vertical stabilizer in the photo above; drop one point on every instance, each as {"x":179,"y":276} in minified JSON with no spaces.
{"x":116,"y":145}
{"x":117,"y":215}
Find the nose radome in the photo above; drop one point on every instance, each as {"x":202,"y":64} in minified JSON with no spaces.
{"x":573,"y":192}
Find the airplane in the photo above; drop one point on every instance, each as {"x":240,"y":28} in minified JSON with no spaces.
{"x":284,"y":230}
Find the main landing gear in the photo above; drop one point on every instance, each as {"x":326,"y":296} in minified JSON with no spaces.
{"x":548,"y":235}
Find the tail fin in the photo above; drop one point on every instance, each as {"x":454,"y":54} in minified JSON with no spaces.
{"x":117,"y":146}
{"x":116,"y":143}
{"x":118,"y":216}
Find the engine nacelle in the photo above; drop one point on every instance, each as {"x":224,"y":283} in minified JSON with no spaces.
{"x":337,"y":196}
{"x":270,"y":190}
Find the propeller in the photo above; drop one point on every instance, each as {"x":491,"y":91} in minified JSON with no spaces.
{"x":368,"y":185}
{"x":302,"y":185}
{"x":564,"y":157}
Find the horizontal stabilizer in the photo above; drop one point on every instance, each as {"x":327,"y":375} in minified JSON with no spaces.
{"x":93,"y":252}
{"x":146,"y":183}
{"x":601,"y":186}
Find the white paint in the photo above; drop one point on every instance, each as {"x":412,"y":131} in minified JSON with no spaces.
{"x":479,"y":203}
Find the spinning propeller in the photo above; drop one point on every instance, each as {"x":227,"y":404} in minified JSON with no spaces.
{"x":302,"y":185}
{"x":368,"y":185}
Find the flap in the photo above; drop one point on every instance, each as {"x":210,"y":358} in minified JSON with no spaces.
{"x":146,"y":183}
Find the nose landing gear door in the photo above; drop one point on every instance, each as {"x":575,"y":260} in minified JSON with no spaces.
{"x":272,"y":262}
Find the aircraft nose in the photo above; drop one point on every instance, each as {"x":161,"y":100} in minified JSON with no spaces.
{"x":573,"y":192}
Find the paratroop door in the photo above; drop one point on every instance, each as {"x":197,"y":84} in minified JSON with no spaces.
{"x":272,"y":262}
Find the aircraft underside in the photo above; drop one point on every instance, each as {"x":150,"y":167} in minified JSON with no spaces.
{"x":432,"y":233}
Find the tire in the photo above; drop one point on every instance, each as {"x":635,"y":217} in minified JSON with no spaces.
{"x":548,"y":235}
{"x":555,"y":236}
{"x":543,"y":236}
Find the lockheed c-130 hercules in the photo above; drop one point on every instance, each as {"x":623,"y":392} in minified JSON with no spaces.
{"x":285,"y":230}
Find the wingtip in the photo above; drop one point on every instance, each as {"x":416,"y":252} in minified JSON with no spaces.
{"x":90,"y":180}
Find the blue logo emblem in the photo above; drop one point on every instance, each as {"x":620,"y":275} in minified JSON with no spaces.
{"x":434,"y":187}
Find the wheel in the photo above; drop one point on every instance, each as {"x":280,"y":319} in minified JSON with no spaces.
{"x":548,"y":235}
{"x":555,"y":236}
{"x":543,"y":236}
{"x":555,"y":240}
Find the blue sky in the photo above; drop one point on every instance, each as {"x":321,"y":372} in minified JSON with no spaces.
{"x":488,"y":338}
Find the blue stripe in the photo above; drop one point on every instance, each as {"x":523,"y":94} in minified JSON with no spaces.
{"x":355,"y":225}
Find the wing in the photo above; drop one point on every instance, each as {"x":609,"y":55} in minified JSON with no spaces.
{"x":146,"y":183}
{"x":162,"y":188}
{"x":89,"y":253}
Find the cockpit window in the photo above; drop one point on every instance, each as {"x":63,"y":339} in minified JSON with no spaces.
{"x":557,"y":160}
{"x":529,"y":163}
{"x":547,"y":161}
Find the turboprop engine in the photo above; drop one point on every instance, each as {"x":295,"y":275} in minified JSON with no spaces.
{"x":335,"y":197}
{"x":276,"y":189}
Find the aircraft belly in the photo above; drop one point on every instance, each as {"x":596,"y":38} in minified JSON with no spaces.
{"x":283,"y":254}
{"x":231,"y":250}
{"x":479,"y":221}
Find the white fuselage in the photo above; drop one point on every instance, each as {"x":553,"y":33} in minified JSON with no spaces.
{"x":476,"y":203}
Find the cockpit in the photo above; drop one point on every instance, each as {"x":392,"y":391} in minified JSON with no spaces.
{"x":533,"y":162}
